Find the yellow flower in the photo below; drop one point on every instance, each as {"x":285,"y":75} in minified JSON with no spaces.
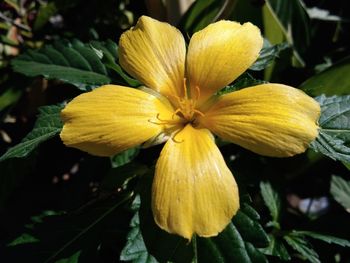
{"x":193,"y":190}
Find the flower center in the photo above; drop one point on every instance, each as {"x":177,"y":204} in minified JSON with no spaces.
{"x":187,"y":105}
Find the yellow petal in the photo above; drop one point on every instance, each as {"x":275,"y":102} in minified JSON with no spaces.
{"x":269,"y":119}
{"x":193,"y":190}
{"x":154,"y":53}
{"x":111,"y":119}
{"x":219,"y":53}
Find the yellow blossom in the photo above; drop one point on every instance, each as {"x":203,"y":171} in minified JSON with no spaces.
{"x":193,"y":190}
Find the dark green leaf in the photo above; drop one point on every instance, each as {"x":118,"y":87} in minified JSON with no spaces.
{"x":61,"y":236}
{"x":124,"y":157}
{"x":326,"y":238}
{"x":161,"y":245}
{"x":268,"y":54}
{"x":334,"y":134}
{"x":249,"y":227}
{"x":238,"y":242}
{"x":244,"y":81}
{"x":108,"y":52}
{"x":120,"y":176}
{"x":276,"y":248}
{"x":44,"y":13}
{"x":135,"y":249}
{"x":204,"y":12}
{"x":48,"y":125}
{"x":271,"y":200}
{"x":72,"y":259}
{"x":228,"y":246}
{"x":335,"y":80}
{"x":76,"y":64}
{"x":25,"y":238}
{"x":300,"y":245}
{"x":294,"y":22}
{"x":340,"y":190}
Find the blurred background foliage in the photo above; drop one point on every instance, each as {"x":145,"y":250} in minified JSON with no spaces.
{"x":58,"y":204}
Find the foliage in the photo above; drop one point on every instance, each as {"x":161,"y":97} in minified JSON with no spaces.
{"x":61,"y":205}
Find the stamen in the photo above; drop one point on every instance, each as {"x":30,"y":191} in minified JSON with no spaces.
{"x":198,"y":94}
{"x":199,"y":112}
{"x":163,"y":122}
{"x":176,"y":112}
{"x":185,"y":89}
{"x":173,"y":137}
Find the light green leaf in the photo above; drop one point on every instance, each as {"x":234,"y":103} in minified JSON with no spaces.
{"x":294,"y":22}
{"x":347,"y":165}
{"x":300,"y":245}
{"x":135,"y":249}
{"x":25,"y":238}
{"x":271,"y":200}
{"x":335,"y":80}
{"x":9,"y":97}
{"x":267,"y":55}
{"x":340,"y":190}
{"x":124,"y":157}
{"x":326,"y":238}
{"x":48,"y":125}
{"x":334,"y":134}
{"x":72,"y":259}
{"x":72,"y":62}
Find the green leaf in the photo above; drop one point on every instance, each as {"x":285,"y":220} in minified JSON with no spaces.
{"x":294,"y":22}
{"x":164,"y":247}
{"x":63,"y":236}
{"x":124,"y":157}
{"x":300,"y":245}
{"x":108,"y":52}
{"x":72,"y":62}
{"x":326,"y":238}
{"x":244,"y":81}
{"x":45,"y":11}
{"x":72,"y":259}
{"x":9,"y":97}
{"x":203,"y":12}
{"x":121,"y":176}
{"x":237,"y":243}
{"x":135,"y":249}
{"x":48,"y":125}
{"x":335,"y":80}
{"x":334,"y":134}
{"x":340,"y":190}
{"x":268,"y":54}
{"x":271,"y":200}
{"x":25,"y":238}
{"x":276,"y":248}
